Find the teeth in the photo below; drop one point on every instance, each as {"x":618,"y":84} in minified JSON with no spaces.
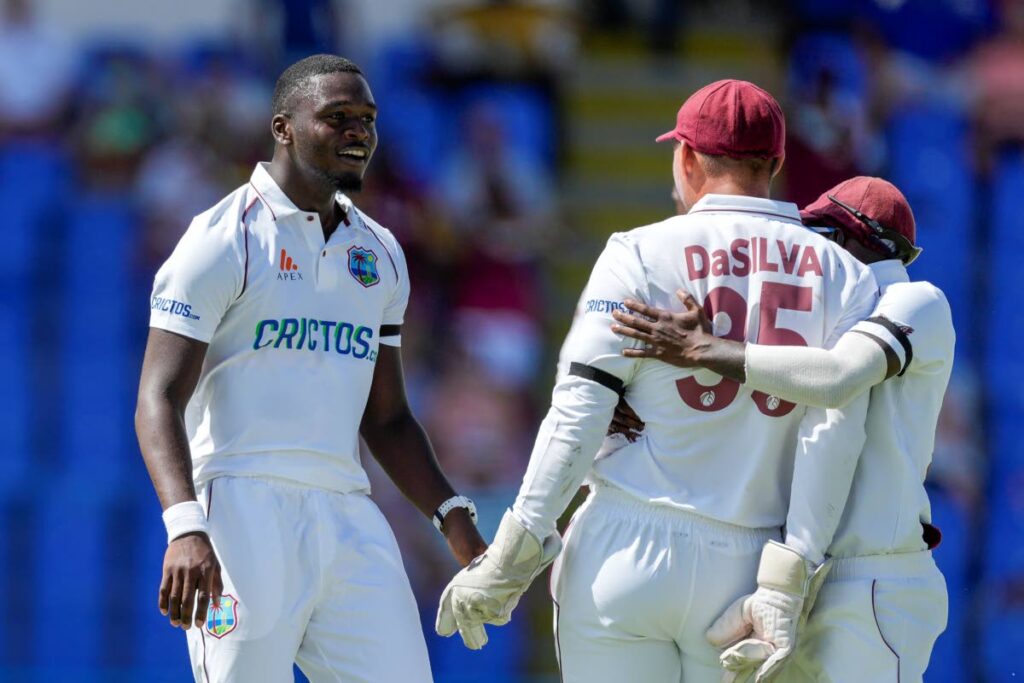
{"x":357,"y":153}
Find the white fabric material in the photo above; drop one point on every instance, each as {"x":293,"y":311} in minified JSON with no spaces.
{"x":293,"y":334}
{"x":638,"y":584}
{"x":486,"y":591}
{"x":787,"y":584}
{"x":888,"y":502}
{"x":750,"y":258}
{"x":316,"y":578}
{"x":873,"y":621}
{"x":827,"y":455}
{"x":184,"y":518}
{"x":817,"y":377}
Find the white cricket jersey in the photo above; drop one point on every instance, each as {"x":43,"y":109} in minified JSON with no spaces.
{"x":710,"y":445}
{"x":888,"y":502}
{"x":293,"y":325}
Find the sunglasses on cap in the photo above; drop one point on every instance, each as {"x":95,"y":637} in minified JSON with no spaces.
{"x":895,"y":243}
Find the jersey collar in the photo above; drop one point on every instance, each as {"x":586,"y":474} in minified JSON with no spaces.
{"x":277,"y":201}
{"x":889,"y":271}
{"x":742,"y":204}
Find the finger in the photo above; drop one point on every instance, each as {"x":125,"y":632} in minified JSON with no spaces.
{"x":642,"y":308}
{"x":164,"y":593}
{"x":205,"y":594}
{"x":188,"y":598}
{"x":746,"y":655}
{"x":634,"y":321}
{"x":689,"y":303}
{"x":772,"y":666}
{"x":445,"y":624}
{"x":632,"y":333}
{"x":626,"y":420}
{"x":174,"y":599}
{"x":731,"y":626}
{"x":473,"y":635}
{"x":216,"y":586}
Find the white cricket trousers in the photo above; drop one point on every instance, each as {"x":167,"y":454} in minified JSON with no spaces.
{"x":637,"y":585}
{"x":310,"y":577}
{"x":875,"y":621}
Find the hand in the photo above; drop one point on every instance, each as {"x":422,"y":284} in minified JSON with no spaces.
{"x":464,"y":540}
{"x":489,"y":588}
{"x":675,"y":338}
{"x":190,"y":565}
{"x":788,"y":585}
{"x":626,"y":422}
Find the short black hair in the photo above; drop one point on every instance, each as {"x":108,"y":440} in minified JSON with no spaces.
{"x":296,"y":75}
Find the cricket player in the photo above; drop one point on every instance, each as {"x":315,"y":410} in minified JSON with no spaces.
{"x":676,"y":521}
{"x":274,"y":345}
{"x":884,"y":603}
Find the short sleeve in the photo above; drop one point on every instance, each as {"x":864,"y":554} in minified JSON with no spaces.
{"x":914,"y":321}
{"x":859,"y":295}
{"x":195,"y":286}
{"x":394,"y":312}
{"x":617,"y":275}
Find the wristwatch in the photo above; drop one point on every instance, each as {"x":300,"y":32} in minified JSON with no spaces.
{"x":449,"y":505}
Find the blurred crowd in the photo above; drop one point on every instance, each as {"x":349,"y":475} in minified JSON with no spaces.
{"x":109,"y":147}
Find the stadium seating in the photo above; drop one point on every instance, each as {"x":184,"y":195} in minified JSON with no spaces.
{"x":948,"y":663}
{"x":929,"y":161}
{"x":99,"y":361}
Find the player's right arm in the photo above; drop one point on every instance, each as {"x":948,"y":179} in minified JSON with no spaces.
{"x":192,"y":292}
{"x":822,"y":378}
{"x":170,"y":371}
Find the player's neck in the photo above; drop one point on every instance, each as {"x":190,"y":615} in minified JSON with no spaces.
{"x":736,"y":186}
{"x":308,"y":196}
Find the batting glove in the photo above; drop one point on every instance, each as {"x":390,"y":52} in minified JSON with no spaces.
{"x":787,"y":585}
{"x":487,"y":590}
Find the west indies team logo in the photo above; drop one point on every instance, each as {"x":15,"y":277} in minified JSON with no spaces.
{"x":362,"y":263}
{"x":222,"y":619}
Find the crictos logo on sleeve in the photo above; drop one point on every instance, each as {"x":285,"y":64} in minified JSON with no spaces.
{"x":603,"y":306}
{"x":173,"y":307}
{"x":308,"y":334}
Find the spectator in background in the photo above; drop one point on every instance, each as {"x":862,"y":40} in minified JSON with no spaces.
{"x":36,"y":73}
{"x":830,"y":137}
{"x":997,"y":75}
{"x":502,"y":207}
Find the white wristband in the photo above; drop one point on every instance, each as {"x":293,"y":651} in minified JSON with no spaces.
{"x":184,"y":518}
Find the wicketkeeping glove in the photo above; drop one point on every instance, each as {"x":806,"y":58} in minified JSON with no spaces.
{"x":487,"y":590}
{"x":787,"y":585}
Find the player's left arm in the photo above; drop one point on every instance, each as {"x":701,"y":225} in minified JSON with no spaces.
{"x":401,"y":446}
{"x":396,"y":438}
{"x":582,"y":404}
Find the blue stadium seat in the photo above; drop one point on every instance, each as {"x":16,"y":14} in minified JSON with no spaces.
{"x":33,"y":180}
{"x":100,"y":372}
{"x":1005,"y":367}
{"x":527,"y":116}
{"x":73,"y":596}
{"x":1002,"y":630}
{"x":1004,"y":556}
{"x":948,"y":656}
{"x":933,"y":169}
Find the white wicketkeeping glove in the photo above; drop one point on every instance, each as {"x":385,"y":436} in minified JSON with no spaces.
{"x":487,"y":590}
{"x":760,"y":630}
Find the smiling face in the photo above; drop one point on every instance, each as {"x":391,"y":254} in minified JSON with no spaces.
{"x":332,"y":120}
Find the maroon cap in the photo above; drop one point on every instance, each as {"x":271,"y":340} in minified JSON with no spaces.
{"x":733,"y":118}
{"x":875,"y":198}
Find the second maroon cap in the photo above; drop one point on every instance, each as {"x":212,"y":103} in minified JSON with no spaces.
{"x":874,"y":197}
{"x":732,"y":118}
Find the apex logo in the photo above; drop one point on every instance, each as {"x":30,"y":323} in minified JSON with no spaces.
{"x":289,"y":270}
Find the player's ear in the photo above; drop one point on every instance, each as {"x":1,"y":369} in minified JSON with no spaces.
{"x":777,"y":165}
{"x":281,"y":128}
